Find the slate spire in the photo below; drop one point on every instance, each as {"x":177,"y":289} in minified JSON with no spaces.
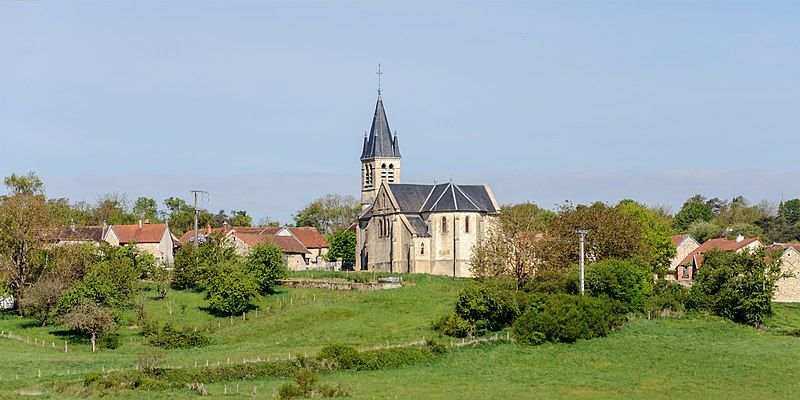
{"x":379,"y":141}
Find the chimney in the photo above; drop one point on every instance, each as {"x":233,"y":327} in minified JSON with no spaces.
{"x":105,"y":225}
{"x":147,"y":221}
{"x":71,"y":224}
{"x":739,"y":238}
{"x":140,"y":223}
{"x":208,"y":229}
{"x":225,"y":226}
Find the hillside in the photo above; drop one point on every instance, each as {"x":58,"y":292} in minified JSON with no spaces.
{"x":688,"y":357}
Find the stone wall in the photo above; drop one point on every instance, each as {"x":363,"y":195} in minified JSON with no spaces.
{"x":788,"y":289}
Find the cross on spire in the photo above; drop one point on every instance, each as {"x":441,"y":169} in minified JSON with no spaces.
{"x":379,"y":73}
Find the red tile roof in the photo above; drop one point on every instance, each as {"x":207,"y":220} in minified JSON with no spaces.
{"x":309,"y":236}
{"x":287,"y":244}
{"x":146,"y":233}
{"x":678,"y":239}
{"x":719,"y":243}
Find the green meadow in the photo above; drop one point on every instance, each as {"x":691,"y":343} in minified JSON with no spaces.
{"x":693,"y":356}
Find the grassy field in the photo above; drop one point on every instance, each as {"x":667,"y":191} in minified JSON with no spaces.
{"x":688,"y":357}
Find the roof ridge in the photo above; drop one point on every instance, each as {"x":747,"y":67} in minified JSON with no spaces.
{"x":422,"y":207}
{"x":440,"y":197}
{"x":471,"y":200}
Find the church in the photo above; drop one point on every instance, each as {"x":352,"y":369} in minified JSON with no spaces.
{"x":415,"y":228}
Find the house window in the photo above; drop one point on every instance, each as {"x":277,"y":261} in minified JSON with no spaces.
{"x":466,"y":224}
{"x":686,"y":272}
{"x":444,"y":224}
{"x":422,"y":248}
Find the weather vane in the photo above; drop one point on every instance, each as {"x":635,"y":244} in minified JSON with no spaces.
{"x":379,"y":78}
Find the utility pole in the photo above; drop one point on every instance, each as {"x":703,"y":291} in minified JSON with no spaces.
{"x":582,"y":233}
{"x":196,"y":213}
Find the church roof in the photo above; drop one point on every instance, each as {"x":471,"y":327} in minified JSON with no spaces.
{"x":413,"y":198}
{"x":380,"y":142}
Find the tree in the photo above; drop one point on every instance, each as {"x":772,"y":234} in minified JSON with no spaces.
{"x":191,"y":263}
{"x":330,"y":213}
{"x":737,"y":285}
{"x":656,"y":230}
{"x":90,"y":319}
{"x":704,"y":230}
{"x":39,"y":300}
{"x":510,"y":249}
{"x":694,"y":209}
{"x":342,"y":247}
{"x":26,"y":224}
{"x":146,"y":208}
{"x":29,"y":184}
{"x":266,"y":264}
{"x":611,"y":235}
{"x":790,"y":210}
{"x":229,"y":290}
{"x":739,"y":211}
{"x":240,"y":218}
{"x":524,"y":217}
{"x":628,"y":281}
{"x":180,"y":216}
{"x":112,"y":208}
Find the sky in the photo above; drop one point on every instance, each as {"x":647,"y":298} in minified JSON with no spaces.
{"x":264,"y":104}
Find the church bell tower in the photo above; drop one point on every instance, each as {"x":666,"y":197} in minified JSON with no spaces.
{"x":380,"y":156}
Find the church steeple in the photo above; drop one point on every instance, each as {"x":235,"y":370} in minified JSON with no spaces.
{"x":380,"y":142}
{"x":380,"y":154}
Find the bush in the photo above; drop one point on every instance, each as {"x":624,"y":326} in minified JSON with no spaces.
{"x":345,"y":357}
{"x":549,"y":281}
{"x":170,"y":338}
{"x":567,"y":318}
{"x":628,"y":281}
{"x":108,"y":340}
{"x":266,"y":265}
{"x":307,"y":387}
{"x":191,"y":263}
{"x":669,"y":297}
{"x":229,"y":289}
{"x":452,"y":325}
{"x":737,"y":286}
{"x":486,"y":308}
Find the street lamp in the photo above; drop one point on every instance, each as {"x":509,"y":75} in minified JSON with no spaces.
{"x":582,"y":233}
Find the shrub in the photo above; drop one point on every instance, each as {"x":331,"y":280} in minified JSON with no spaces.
{"x":486,"y":308}
{"x":108,"y":340}
{"x":229,"y":289}
{"x":737,"y":286}
{"x":669,"y":297}
{"x":549,"y":281}
{"x":346,"y":357}
{"x":567,"y":318}
{"x":307,"y":387}
{"x":266,"y":265}
{"x":452,"y":325}
{"x":170,"y":338}
{"x":628,"y":281}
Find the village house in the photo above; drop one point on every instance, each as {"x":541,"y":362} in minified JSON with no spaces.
{"x":72,"y":234}
{"x":693,"y":261}
{"x":684,"y":245}
{"x":303,"y":247}
{"x":788,"y":289}
{"x":415,"y":228}
{"x":155,"y":239}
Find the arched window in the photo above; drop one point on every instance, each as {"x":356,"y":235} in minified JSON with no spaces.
{"x":422,"y":248}
{"x":466,"y":224}
{"x":444,"y":224}
{"x":390,"y":173}
{"x":383,"y":172}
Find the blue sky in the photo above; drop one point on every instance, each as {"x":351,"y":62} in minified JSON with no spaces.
{"x":264,"y":104}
